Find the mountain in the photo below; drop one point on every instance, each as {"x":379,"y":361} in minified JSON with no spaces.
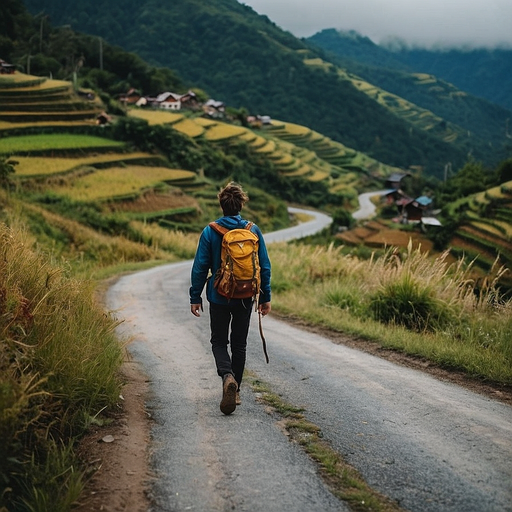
{"x":482,"y":72}
{"x":245,"y":60}
{"x":361,"y":57}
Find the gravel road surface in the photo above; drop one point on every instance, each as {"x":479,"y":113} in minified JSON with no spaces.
{"x":430,"y":445}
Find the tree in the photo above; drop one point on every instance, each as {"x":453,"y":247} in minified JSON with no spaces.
{"x":6,"y":169}
{"x":504,"y":171}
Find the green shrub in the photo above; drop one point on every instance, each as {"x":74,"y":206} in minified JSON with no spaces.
{"x":409,"y":303}
{"x":346,"y":298}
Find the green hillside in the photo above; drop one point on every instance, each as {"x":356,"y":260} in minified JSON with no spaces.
{"x":472,"y":116}
{"x":159,"y":167}
{"x":246,"y":61}
{"x":482,"y":72}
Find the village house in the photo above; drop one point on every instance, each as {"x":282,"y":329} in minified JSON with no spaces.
{"x":103,"y":118}
{"x":394,"y":181}
{"x":190,"y":101}
{"x":214,"y":108}
{"x":258,"y":121}
{"x":6,"y":68}
{"x":392,"y":195}
{"x":131,"y":97}
{"x":168,"y":101}
{"x":165,"y":100}
{"x":413,"y":210}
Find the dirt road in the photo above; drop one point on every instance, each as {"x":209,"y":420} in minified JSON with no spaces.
{"x":427,"y":444}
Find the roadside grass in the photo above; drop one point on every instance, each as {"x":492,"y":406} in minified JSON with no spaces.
{"x":83,"y":249}
{"x":182,"y":245}
{"x":406,"y":301}
{"x":342,"y":479}
{"x":59,"y":361}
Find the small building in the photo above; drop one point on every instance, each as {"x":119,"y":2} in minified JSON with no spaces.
{"x":6,"y":68}
{"x":392,"y":195}
{"x":424,"y":202}
{"x":131,"y":97}
{"x":168,"y":101}
{"x":395,"y":180}
{"x":214,"y":108}
{"x":103,"y":118}
{"x":414,"y":210}
{"x":190,"y":101}
{"x":430,"y":221}
{"x":258,"y":121}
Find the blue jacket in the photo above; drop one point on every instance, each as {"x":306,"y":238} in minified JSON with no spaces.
{"x":207,"y":261}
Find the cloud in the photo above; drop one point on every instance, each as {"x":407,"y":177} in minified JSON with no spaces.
{"x":445,"y":22}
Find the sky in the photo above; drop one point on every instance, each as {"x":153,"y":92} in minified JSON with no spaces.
{"x":474,"y":23}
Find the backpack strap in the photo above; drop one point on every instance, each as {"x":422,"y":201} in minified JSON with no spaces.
{"x":222,"y":230}
{"x":218,"y":228}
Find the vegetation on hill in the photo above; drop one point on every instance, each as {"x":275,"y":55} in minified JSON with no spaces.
{"x":420,"y":85}
{"x":482,"y":72}
{"x":477,"y":214}
{"x":246,"y":61}
{"x":479,"y":71}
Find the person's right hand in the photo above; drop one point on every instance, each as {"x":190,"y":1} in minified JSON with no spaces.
{"x":195,"y":309}
{"x":264,"y":308}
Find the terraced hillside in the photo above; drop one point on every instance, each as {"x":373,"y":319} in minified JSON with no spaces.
{"x":27,"y":100}
{"x":86,"y":170}
{"x":486,"y":229}
{"x":418,"y":117}
{"x":296,"y":151}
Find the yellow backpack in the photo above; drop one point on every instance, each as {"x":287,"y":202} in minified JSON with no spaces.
{"x":238,"y":276}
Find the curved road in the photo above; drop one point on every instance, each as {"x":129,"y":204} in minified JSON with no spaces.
{"x":430,"y":445}
{"x":366,"y":207}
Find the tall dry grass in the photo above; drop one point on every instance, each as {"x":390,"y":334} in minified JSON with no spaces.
{"x":404,"y":300}
{"x":84,"y":248}
{"x":59,"y":360}
{"x":181,"y":245}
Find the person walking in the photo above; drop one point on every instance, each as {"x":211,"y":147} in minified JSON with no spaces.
{"x":229,"y":317}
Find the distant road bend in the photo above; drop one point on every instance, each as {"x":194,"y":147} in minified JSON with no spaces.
{"x":430,"y":445}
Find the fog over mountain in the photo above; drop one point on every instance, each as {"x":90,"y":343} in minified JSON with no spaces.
{"x":472,"y":23}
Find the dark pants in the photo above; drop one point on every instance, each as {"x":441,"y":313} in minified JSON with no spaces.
{"x":238,"y":314}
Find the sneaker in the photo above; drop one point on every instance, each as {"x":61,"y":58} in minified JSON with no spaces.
{"x":229,"y":388}
{"x":238,"y":400}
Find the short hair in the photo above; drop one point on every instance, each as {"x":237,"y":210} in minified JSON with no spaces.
{"x":232,"y":198}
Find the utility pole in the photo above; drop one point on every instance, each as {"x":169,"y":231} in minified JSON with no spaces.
{"x":41,"y":34}
{"x":447,"y":169}
{"x":101,"y":54}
